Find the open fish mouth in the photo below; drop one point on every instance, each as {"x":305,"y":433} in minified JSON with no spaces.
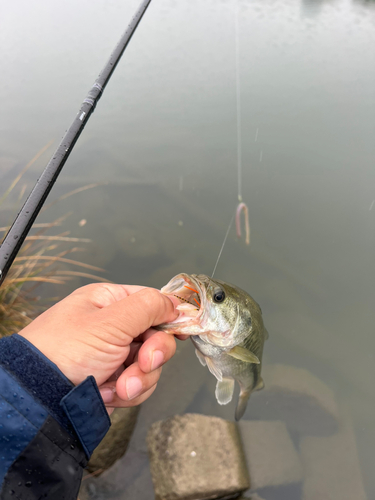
{"x":192,"y":295}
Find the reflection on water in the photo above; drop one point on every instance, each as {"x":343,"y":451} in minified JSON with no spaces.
{"x":164,"y":138}
{"x":313,"y":7}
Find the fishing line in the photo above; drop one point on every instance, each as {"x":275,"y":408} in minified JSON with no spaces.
{"x":222,"y":246}
{"x":238,"y":104}
{"x":242,"y":207}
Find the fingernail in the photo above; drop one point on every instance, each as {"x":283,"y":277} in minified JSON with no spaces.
{"x":133,"y":387}
{"x":106,"y":394}
{"x":157,"y":359}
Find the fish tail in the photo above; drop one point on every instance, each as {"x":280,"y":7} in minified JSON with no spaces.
{"x":242,"y":403}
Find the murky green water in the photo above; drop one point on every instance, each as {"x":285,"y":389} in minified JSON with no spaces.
{"x":163,"y":138}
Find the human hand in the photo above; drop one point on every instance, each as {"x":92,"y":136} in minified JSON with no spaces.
{"x":105,"y":330}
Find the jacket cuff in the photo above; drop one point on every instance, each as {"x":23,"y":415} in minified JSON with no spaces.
{"x":80,"y":410}
{"x":87,"y":414}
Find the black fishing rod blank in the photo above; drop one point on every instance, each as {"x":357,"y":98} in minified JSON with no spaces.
{"x":26,"y":217}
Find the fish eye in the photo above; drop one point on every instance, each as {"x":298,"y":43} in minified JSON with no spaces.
{"x":219,"y":295}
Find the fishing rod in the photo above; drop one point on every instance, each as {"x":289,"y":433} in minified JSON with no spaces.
{"x":28,"y":213}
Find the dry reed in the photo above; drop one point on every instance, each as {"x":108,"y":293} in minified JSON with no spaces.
{"x":40,"y":260}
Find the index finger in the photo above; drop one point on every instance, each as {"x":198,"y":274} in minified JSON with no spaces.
{"x":139,"y":311}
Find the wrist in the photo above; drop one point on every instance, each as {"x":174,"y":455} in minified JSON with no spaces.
{"x":37,"y":374}
{"x":52,"y":354}
{"x":77,"y":409}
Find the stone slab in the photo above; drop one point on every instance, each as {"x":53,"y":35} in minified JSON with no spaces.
{"x":270,"y":454}
{"x":195,"y":457}
{"x":297,"y":397}
{"x":116,"y":441}
{"x":331,"y":466}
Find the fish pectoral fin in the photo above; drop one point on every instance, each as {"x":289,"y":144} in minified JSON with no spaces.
{"x":243,"y":355}
{"x":224,"y":391}
{"x":201,"y":358}
{"x":215,"y":370}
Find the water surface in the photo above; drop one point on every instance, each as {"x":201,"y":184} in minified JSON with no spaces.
{"x":163,"y":139}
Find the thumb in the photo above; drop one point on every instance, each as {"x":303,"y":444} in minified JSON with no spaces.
{"x":138,"y":312}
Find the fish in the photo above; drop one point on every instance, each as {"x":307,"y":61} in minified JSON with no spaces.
{"x":226,"y":327}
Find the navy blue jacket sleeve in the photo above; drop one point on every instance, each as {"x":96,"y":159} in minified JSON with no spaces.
{"x":48,"y":427}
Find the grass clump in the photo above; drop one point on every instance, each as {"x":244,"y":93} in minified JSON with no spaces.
{"x":41,"y":260}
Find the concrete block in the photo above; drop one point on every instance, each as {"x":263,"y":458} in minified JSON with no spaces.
{"x":194,"y":457}
{"x":298,"y":398}
{"x":270,"y":454}
{"x":116,"y":441}
{"x":331,"y":466}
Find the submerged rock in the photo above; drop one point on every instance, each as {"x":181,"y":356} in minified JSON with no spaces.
{"x":196,"y":457}
{"x":128,"y":478}
{"x":298,"y":398}
{"x":271,"y":457}
{"x":331,"y":467}
{"x":116,"y":441}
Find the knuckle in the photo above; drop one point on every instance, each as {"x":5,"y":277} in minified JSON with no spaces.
{"x":91,"y":287}
{"x":153,"y":297}
{"x":99,"y":294}
{"x":83,"y":289}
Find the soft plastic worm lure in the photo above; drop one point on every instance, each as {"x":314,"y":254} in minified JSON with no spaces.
{"x":242,"y":207}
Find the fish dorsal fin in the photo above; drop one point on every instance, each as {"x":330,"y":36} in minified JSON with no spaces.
{"x":243,"y":355}
{"x":201,"y":358}
{"x":215,"y":370}
{"x":224,"y":391}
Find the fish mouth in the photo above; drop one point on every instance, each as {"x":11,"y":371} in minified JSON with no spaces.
{"x":189,"y":290}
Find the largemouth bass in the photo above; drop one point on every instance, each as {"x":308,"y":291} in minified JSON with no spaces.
{"x":226,"y":327}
